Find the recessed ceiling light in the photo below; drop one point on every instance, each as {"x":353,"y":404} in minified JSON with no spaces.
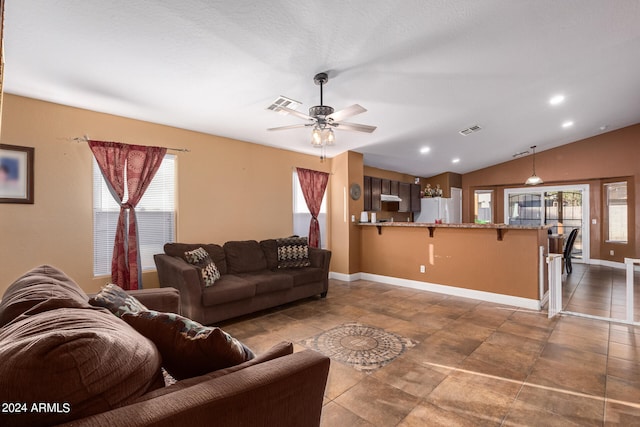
{"x":456,"y":160}
{"x":567,"y":124}
{"x":604,"y":127}
{"x":556,"y":99}
{"x":425,"y":150}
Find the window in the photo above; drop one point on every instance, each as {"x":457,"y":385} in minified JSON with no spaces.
{"x":302,"y":216}
{"x":155,"y":215}
{"x":616,"y":212}
{"x":483,"y":206}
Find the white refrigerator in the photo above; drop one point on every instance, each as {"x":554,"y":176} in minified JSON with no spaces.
{"x":432,"y":208}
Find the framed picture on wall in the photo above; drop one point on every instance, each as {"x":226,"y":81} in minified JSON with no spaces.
{"x":16,"y":174}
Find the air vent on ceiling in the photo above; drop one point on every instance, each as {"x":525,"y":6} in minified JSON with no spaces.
{"x":520,"y":154}
{"x":283,"y":101}
{"x":470,"y":130}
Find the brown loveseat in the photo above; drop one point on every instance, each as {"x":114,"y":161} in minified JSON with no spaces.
{"x":251,"y":279}
{"x":66,"y":362}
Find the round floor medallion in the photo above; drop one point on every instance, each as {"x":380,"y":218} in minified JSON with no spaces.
{"x":366,"y":348}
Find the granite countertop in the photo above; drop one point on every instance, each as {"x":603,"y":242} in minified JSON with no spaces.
{"x":464,"y":225}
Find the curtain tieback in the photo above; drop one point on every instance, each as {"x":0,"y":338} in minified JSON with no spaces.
{"x":126,"y":205}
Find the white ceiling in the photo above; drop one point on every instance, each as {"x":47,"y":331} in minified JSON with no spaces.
{"x":424,"y":69}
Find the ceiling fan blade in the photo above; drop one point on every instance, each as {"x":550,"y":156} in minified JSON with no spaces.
{"x":296,"y":113}
{"x":347,"y":112}
{"x":291,"y":126}
{"x":354,"y":126}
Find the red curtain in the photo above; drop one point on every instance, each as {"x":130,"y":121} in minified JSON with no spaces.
{"x":141,"y":164}
{"x":313,"y":184}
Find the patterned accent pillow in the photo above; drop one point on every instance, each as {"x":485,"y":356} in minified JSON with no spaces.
{"x":188,"y":349}
{"x":293,"y":252}
{"x":202,"y":261}
{"x":114,"y":298}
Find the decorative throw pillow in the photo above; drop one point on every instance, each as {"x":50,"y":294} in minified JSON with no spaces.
{"x":114,"y":298}
{"x":202,"y":261}
{"x":293,"y":252}
{"x":188,"y":349}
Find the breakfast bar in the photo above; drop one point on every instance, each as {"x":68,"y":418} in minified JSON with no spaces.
{"x":492,"y":262}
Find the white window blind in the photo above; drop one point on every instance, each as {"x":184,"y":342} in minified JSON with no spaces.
{"x":155,"y":214}
{"x":617,"y":212}
{"x":302,"y":216}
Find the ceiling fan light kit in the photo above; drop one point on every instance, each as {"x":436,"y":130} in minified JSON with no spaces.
{"x":323,"y":118}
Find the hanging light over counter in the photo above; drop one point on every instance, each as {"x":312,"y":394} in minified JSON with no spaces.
{"x":533,"y":179}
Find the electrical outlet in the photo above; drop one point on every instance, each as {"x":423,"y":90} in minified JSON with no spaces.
{"x":611,"y":252}
{"x":422,"y":269}
{"x":594,"y":221}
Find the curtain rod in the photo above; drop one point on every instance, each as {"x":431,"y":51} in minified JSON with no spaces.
{"x":86,"y":139}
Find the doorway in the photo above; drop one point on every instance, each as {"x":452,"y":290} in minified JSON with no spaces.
{"x":562,"y":207}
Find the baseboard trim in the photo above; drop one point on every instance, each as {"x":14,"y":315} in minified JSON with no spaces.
{"x":344,"y":277}
{"x":527,"y":303}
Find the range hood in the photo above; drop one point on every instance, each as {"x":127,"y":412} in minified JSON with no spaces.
{"x":389,"y":198}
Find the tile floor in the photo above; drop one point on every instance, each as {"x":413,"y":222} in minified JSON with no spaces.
{"x":476,"y":363}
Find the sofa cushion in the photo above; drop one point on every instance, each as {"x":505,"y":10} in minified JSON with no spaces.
{"x":188,"y":348}
{"x":85,"y":358}
{"x":270,"y":249}
{"x":229,"y":288}
{"x":269,"y":281}
{"x":206,"y":267}
{"x":215,"y":252}
{"x":244,"y":256}
{"x":302,"y":276}
{"x":40,"y":289}
{"x":116,"y":300}
{"x":293,"y":252}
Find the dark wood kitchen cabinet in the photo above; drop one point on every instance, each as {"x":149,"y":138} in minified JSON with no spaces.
{"x":366,"y":193}
{"x":386,"y":186}
{"x":395,"y":188}
{"x":415,"y":198}
{"x":404,"y":192}
{"x":376,"y":190}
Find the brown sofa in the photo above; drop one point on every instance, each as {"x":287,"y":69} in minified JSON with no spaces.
{"x":251,"y":279}
{"x":65,"y":362}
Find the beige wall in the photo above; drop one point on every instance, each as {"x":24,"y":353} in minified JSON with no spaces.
{"x":347,"y":168}
{"x":227,"y":189}
{"x":603,"y":158}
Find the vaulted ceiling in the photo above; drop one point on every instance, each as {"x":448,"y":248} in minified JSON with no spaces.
{"x":424,"y":70}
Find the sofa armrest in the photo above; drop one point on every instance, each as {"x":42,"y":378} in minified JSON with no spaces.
{"x":159,"y":299}
{"x":320,"y":258}
{"x":176,"y":273}
{"x":286,"y":392}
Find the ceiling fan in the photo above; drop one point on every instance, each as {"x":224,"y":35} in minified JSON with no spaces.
{"x":322,"y":118}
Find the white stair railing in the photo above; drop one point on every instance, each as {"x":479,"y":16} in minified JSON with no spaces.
{"x":555,"y":283}
{"x":629,"y":264}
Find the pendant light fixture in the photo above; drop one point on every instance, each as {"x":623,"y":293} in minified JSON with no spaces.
{"x":533,"y":179}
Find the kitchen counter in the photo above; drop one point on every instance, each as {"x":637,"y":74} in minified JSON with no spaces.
{"x":493,"y":262}
{"x":462,"y":225}
{"x":500,"y":228}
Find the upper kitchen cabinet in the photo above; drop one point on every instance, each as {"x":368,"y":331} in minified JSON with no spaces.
{"x":366,"y":193}
{"x":415,"y":198}
{"x":386,"y":186}
{"x":376,"y":190}
{"x":404,"y":192}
